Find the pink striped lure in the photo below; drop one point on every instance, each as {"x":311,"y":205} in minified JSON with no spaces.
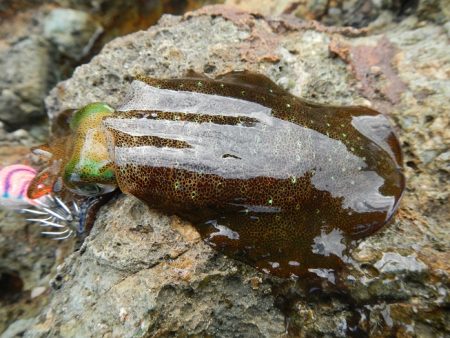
{"x":58,"y":219}
{"x":14,"y":182}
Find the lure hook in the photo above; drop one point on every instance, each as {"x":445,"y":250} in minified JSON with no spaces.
{"x":62,"y":220}
{"x":49,"y":211}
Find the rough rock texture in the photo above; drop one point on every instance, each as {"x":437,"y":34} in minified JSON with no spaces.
{"x":356,"y":13}
{"x":25,"y":68}
{"x":35,"y":46}
{"x":141,"y":273}
{"x":73,"y":32}
{"x":42,"y":41}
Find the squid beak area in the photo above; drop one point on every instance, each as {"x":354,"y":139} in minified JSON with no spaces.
{"x":89,"y":207}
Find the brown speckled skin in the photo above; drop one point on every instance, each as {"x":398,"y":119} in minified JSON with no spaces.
{"x":280,"y":241}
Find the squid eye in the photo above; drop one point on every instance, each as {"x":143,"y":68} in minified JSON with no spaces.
{"x":90,"y":189}
{"x":90,"y":179}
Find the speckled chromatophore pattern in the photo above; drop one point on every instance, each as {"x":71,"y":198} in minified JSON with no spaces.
{"x":265,"y":177}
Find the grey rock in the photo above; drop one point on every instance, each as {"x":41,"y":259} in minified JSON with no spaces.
{"x":447,"y":28}
{"x":40,"y":43}
{"x":18,"y":327}
{"x":26,"y":74}
{"x":72,"y":31}
{"x":173,"y":285}
{"x":436,"y":10}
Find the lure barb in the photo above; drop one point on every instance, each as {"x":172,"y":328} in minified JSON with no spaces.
{"x":60,"y":220}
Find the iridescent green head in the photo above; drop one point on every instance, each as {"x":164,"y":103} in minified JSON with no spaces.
{"x":88,"y":170}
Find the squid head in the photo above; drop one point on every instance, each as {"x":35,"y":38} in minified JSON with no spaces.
{"x":78,"y":161}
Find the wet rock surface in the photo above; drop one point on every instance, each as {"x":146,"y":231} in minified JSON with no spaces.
{"x":141,"y":273}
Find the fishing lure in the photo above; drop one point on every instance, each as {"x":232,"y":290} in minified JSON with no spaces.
{"x":266,"y":177}
{"x":53,"y":214}
{"x":14,"y":182}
